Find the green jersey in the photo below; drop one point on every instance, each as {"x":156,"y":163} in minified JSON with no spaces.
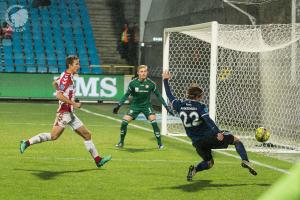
{"x":141,"y":92}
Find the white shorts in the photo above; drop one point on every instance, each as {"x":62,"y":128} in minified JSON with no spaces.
{"x":67,"y":118}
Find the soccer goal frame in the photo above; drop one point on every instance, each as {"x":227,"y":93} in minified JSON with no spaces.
{"x":217,"y":51}
{"x":214,"y":51}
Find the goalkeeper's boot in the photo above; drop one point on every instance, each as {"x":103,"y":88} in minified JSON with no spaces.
{"x":191,"y":173}
{"x":23,"y":146}
{"x":104,"y":160}
{"x":160,"y":147}
{"x":120,"y":145}
{"x":246,"y":164}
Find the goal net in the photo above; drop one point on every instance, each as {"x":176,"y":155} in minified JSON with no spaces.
{"x":250,"y":75}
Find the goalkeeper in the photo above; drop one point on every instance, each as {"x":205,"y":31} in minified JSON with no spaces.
{"x":202,"y":130}
{"x":140,"y":89}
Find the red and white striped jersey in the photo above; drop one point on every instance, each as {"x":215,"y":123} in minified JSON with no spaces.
{"x":66,"y":85}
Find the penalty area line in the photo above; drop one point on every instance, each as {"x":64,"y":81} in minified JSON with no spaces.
{"x":187,"y":142}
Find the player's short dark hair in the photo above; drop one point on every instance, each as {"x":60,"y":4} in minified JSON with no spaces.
{"x":70,"y":59}
{"x":194,"y":92}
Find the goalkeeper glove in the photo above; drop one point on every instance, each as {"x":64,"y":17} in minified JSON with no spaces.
{"x":116,"y":109}
{"x":169,"y":109}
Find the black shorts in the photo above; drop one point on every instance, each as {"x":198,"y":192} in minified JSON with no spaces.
{"x":204,"y":146}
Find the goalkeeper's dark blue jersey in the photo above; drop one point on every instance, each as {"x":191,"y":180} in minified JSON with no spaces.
{"x":194,"y":116}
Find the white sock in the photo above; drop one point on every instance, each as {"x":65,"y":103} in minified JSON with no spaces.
{"x":91,"y":148}
{"x":42,"y":137}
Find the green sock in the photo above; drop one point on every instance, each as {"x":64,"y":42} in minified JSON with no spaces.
{"x":123,"y":130}
{"x":156,"y":131}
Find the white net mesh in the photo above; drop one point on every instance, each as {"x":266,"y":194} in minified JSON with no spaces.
{"x":258,"y":80}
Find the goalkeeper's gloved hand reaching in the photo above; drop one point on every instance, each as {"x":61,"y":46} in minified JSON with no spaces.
{"x":170,"y":111}
{"x":116,"y":109}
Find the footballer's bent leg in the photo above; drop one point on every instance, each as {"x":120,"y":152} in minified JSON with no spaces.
{"x":239,"y":146}
{"x":56,"y":132}
{"x":124,"y":124}
{"x":204,"y":165}
{"x":156,"y":131}
{"x":240,"y":149}
{"x":191,"y":173}
{"x":100,"y":161}
{"x":157,"y":134}
{"x":86,"y":135}
{"x":42,"y":137}
{"x":123,"y":132}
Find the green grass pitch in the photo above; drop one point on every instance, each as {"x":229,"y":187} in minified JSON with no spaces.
{"x":64,"y":169}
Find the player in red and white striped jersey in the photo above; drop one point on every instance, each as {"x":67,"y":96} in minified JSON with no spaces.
{"x":65,"y":93}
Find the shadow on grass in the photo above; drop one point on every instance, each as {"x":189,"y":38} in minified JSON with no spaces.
{"x":48,"y":175}
{"x":198,"y":185}
{"x":136,"y":150}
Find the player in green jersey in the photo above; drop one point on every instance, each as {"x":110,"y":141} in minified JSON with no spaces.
{"x":140,"y":90}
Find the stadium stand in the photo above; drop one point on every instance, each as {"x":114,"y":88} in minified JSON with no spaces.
{"x":51,"y":33}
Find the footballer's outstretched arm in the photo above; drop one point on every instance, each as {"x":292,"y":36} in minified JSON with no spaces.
{"x":161,"y":99}
{"x":168,"y":90}
{"x":166,"y":76}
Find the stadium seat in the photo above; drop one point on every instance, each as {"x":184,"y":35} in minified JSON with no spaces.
{"x":83,"y":56}
{"x":61,"y":61}
{"x":71,"y":51}
{"x":7,"y":51}
{"x":95,"y":60}
{"x":39,"y":49}
{"x":30,"y":69}
{"x":20,"y":68}
{"x":17,"y":49}
{"x":51,"y":61}
{"x":6,"y":42}
{"x":42,"y":69}
{"x":8,"y":60}
{"x":50,"y":52}
{"x":19,"y":61}
{"x":29,"y":61}
{"x":53,"y":69}
{"x":27,"y":37}
{"x":61,"y":69}
{"x":85,"y":70}
{"x":40,"y":61}
{"x":9,"y":68}
{"x":96,"y":70}
{"x":84,"y":62}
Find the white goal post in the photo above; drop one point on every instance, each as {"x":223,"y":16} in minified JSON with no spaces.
{"x":250,"y":75}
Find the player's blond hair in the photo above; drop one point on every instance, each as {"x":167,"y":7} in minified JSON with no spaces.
{"x":142,"y":67}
